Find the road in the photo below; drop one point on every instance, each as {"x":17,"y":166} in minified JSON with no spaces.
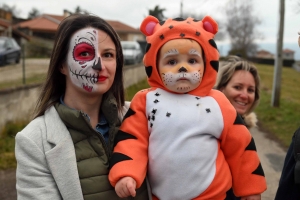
{"x":272,"y":157}
{"x":270,"y":152}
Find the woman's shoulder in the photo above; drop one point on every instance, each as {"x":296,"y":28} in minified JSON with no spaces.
{"x":37,"y":126}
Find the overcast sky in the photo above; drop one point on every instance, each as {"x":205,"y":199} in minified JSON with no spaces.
{"x":132,"y":12}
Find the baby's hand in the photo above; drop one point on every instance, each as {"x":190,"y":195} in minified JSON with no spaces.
{"x":252,"y":197}
{"x":126,"y":187}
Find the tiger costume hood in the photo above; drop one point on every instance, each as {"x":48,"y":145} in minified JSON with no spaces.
{"x":158,"y":33}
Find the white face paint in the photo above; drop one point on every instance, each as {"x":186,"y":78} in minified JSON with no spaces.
{"x":181,"y":65}
{"x":83,"y":59}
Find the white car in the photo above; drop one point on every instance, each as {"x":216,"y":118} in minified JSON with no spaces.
{"x":132,"y":52}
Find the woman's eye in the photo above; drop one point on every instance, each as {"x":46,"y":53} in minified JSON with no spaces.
{"x":84,"y":52}
{"x":251,"y":90}
{"x":237,"y":87}
{"x":108,"y":55}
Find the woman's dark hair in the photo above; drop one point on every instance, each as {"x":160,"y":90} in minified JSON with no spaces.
{"x":55,"y":84}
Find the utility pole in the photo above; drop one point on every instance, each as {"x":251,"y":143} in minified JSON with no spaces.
{"x":278,"y":58}
{"x":181,"y":5}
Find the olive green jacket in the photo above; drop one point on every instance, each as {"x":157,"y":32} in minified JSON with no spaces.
{"x":47,"y":162}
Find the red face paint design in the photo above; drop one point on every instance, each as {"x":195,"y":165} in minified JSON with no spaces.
{"x":83,"y":55}
{"x":87,"y":87}
{"x":83,"y":52}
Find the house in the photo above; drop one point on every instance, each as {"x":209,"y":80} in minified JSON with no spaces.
{"x":43,"y":26}
{"x":264,"y":54}
{"x":288,"y":54}
{"x":7,"y":28}
{"x":46,"y":25}
{"x":265,"y":57}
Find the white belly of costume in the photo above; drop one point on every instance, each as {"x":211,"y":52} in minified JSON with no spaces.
{"x":183,"y":143}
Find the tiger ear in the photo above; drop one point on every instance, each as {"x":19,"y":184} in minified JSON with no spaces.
{"x":210,"y":25}
{"x":148,"y":25}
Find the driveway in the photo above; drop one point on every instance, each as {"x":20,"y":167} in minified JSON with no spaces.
{"x":31,"y":67}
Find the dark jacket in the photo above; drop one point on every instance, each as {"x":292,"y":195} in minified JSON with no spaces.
{"x":92,"y":152}
{"x":287,"y":188}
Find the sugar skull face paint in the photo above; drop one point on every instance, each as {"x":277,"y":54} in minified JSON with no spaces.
{"x":181,"y":65}
{"x":84,"y":59}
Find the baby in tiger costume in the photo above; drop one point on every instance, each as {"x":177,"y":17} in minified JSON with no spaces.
{"x":185,"y":136}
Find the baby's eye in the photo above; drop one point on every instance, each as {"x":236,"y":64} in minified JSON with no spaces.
{"x":84,"y":52}
{"x":192,"y":61}
{"x":172,"y":62}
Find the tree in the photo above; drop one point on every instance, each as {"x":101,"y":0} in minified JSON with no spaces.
{"x":241,"y":26}
{"x":33,"y":13}
{"x":12,"y":9}
{"x":158,"y":13}
{"x":80,"y":10}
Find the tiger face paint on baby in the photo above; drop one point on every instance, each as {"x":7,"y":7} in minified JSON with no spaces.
{"x":181,"y":65}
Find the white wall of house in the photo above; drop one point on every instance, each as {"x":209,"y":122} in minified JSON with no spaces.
{"x":288,"y":55}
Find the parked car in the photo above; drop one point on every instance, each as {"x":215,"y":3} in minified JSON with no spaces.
{"x":10,"y":51}
{"x":132,"y":52}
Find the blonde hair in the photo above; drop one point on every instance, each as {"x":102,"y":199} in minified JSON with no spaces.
{"x":233,"y":64}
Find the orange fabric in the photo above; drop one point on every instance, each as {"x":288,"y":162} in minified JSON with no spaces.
{"x":189,"y":28}
{"x":234,"y":164}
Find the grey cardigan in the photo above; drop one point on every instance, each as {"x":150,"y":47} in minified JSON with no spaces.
{"x":41,"y":173}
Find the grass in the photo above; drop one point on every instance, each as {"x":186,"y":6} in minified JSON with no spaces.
{"x":7,"y":144}
{"x":34,"y":79}
{"x":280,"y":122}
{"x":130,"y":91}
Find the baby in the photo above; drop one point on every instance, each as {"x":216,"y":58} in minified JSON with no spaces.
{"x":185,"y":136}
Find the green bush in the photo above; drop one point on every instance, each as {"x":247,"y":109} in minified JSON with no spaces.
{"x":7,"y":144}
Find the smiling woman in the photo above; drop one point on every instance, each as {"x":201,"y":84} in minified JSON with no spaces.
{"x":238,"y":79}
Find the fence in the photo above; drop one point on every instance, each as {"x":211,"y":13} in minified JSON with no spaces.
{"x":18,"y":103}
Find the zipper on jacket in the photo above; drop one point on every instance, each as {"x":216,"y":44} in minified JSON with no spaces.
{"x":99,"y":135}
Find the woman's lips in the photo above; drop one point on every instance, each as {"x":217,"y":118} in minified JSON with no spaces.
{"x":102,"y":78}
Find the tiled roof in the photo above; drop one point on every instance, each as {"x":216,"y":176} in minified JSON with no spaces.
{"x":49,"y":23}
{"x":4,"y":23}
{"x":288,"y":51}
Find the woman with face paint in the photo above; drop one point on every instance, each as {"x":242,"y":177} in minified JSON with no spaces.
{"x":64,"y":152}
